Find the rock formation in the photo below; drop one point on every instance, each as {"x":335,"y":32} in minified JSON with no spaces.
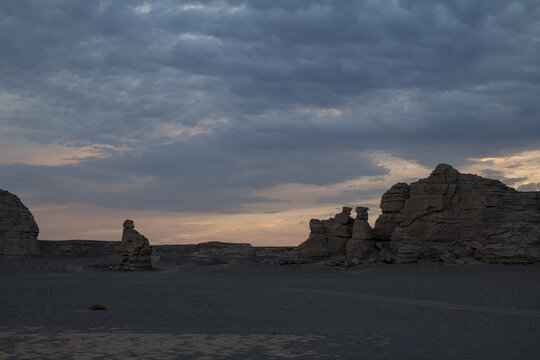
{"x":392,"y":202}
{"x":361,"y":244}
{"x":447,"y":217}
{"x":18,"y":229}
{"x":339,"y":231}
{"x":316,"y":246}
{"x":135,"y":248}
{"x":450,"y":216}
{"x":328,"y":237}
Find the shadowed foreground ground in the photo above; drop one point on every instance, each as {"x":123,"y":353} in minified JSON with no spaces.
{"x":207,"y":309}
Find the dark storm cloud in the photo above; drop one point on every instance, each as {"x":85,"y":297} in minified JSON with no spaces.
{"x":301,"y":86}
{"x":184,"y":177}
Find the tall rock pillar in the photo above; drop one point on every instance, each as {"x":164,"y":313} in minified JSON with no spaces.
{"x":136,"y":249}
{"x":361,"y":245}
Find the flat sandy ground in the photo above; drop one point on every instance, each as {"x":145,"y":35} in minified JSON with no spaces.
{"x":246,"y":310}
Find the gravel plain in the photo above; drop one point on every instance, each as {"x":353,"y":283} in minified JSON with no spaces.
{"x":214,"y":308}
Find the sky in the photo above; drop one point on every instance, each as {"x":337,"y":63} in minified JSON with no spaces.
{"x":240,"y":120}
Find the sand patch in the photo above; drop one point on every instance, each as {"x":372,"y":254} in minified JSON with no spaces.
{"x":36,"y":343}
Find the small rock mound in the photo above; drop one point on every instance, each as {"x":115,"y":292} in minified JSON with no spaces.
{"x":218,"y":248}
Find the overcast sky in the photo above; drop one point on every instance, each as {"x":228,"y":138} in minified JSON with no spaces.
{"x":239,"y":120}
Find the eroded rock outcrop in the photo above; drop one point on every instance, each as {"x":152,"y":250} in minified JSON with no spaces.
{"x":316,"y":245}
{"x":339,"y":231}
{"x":450,"y":216}
{"x":18,"y":229}
{"x":392,"y":203}
{"x":135,"y":248}
{"x":328,"y":237}
{"x":447,"y":217}
{"x":361,"y":244}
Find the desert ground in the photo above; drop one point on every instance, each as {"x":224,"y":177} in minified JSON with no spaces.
{"x":211,"y":307}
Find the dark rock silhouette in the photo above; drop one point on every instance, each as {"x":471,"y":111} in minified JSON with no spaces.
{"x":135,"y":248}
{"x":18,"y":229}
{"x":218,"y":248}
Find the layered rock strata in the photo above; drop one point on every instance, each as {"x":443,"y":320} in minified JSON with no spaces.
{"x":18,"y":229}
{"x":362,"y":243}
{"x":339,"y":230}
{"x":392,"y":203}
{"x":316,"y":245}
{"x":450,"y":216}
{"x":135,"y":248}
{"x":328,"y":237}
{"x":447,"y":217}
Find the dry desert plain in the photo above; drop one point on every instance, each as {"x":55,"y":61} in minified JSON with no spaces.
{"x":194,"y":306}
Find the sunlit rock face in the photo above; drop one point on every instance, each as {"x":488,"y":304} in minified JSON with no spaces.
{"x":451,"y":216}
{"x":135,"y":248}
{"x":18,"y":229}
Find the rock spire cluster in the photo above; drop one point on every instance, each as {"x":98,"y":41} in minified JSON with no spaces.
{"x":341,"y":237}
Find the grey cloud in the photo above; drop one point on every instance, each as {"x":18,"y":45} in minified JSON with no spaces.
{"x":530,"y":187}
{"x":431,"y":81}
{"x":351,"y":196}
{"x":184,"y":176}
{"x":499,"y":175}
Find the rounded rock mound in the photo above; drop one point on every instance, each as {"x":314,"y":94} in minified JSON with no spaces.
{"x":18,"y":229}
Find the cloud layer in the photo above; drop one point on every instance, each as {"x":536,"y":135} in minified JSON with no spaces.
{"x":206,"y":106}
